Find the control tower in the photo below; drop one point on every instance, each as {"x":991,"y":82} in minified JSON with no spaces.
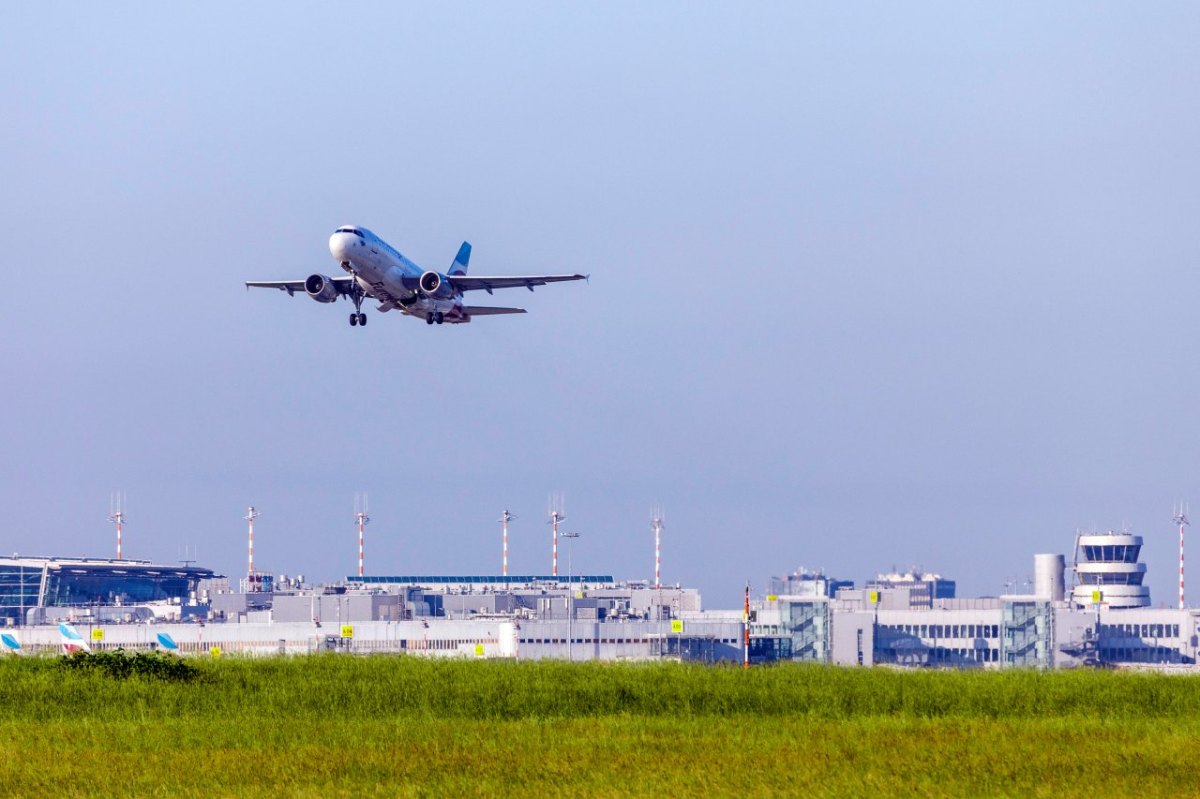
{"x":1108,"y":563}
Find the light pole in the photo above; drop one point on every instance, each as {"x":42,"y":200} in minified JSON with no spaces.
{"x":570,"y":598}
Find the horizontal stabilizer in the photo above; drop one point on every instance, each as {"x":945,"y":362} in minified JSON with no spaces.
{"x":479,"y":310}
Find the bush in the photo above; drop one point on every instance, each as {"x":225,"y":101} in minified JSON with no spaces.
{"x":122,"y":665}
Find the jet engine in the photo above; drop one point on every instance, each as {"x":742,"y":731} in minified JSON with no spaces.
{"x":321,"y":288}
{"x":434,"y":284}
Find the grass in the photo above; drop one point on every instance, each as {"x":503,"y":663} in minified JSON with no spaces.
{"x":375,"y":726}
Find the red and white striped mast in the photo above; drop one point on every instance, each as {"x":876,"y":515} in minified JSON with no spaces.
{"x":116,"y":515}
{"x":360,"y":516}
{"x":1181,"y":519}
{"x":746,"y":630}
{"x":555,"y":518}
{"x":556,"y":515}
{"x":505,"y":518}
{"x":656,"y":524}
{"x":251,"y":515}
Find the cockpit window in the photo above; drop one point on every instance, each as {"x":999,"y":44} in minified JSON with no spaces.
{"x":349,"y":230}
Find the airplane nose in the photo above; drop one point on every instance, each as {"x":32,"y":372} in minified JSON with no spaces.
{"x":337,"y":246}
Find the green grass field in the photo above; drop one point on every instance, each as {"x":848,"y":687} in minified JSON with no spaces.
{"x":395,"y":726}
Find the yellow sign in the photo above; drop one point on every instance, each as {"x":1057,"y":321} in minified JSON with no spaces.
{"x":347,"y":630}
{"x":215,"y":651}
{"x":478,"y":650}
{"x":1097,"y":596}
{"x":97,"y":633}
{"x":579,"y":595}
{"x":772,"y":598}
{"x":676,"y":625}
{"x":873,"y":597}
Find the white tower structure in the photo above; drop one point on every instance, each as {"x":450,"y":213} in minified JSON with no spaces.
{"x":1181,"y":519}
{"x":361,"y":517}
{"x":251,"y":515}
{"x":1107,"y":567}
{"x":505,"y":518}
{"x":116,"y":515}
{"x":656,"y":524}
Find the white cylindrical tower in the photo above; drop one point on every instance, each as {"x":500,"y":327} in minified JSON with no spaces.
{"x":1048,"y":582}
{"x":1108,"y":565}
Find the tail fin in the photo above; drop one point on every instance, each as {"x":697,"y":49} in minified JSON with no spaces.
{"x":167,"y":643}
{"x":461,"y":261}
{"x":72,"y":641}
{"x":11,"y":644}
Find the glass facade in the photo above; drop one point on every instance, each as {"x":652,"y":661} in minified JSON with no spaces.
{"x":28,"y":583}
{"x":20,"y":586}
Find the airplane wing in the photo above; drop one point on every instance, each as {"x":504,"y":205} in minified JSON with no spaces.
{"x":478,"y":310}
{"x":342,"y":284}
{"x":472,"y":282}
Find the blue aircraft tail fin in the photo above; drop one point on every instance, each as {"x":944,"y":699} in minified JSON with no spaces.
{"x":461,"y":261}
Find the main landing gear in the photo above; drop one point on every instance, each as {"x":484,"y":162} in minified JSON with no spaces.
{"x":358,"y":318}
{"x":431,"y":318}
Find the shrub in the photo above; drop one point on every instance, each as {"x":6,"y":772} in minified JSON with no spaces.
{"x":122,"y":665}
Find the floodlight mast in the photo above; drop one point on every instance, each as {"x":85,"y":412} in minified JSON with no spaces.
{"x":116,"y":515}
{"x":1181,"y":519}
{"x":361,"y":517}
{"x":570,"y":598}
{"x":505,"y":518}
{"x":557,"y":515}
{"x":251,"y":515}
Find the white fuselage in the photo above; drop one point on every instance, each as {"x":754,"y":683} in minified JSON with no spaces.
{"x":385,"y":274}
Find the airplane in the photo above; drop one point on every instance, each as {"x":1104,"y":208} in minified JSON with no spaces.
{"x":72,"y":641}
{"x":377,"y":270}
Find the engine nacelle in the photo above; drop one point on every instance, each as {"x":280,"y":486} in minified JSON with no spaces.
{"x":320,"y":288}
{"x":435,"y":285}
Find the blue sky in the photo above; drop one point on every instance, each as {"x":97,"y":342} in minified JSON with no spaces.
{"x":871,"y":285}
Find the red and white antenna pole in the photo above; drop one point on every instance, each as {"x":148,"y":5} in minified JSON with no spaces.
{"x":505,"y":518}
{"x":251,"y":515}
{"x":116,"y":515}
{"x":1181,"y":519}
{"x":360,"y":515}
{"x":746,"y":630}
{"x":555,"y":518}
{"x":656,"y":523}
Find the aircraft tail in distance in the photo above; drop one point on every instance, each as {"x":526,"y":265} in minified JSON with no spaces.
{"x":72,"y":641}
{"x":11,"y":645}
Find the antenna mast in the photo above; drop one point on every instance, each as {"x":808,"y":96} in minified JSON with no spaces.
{"x":556,"y":515}
{"x":360,"y":515}
{"x":505,"y":518}
{"x":116,"y":515}
{"x":1181,"y":519}
{"x":656,"y":524}
{"x":251,"y":515}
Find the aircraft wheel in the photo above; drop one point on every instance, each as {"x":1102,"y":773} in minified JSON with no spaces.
{"x":438,"y":317}
{"x":429,"y":319}
{"x":353,"y":319}
{"x":362,"y":319}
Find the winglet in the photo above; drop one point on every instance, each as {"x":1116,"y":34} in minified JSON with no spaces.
{"x":462,"y":261}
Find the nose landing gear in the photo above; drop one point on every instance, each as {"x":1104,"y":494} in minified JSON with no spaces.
{"x":356,"y":296}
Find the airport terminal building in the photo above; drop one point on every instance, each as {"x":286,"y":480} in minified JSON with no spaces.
{"x":38,"y":590}
{"x":899,"y":620}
